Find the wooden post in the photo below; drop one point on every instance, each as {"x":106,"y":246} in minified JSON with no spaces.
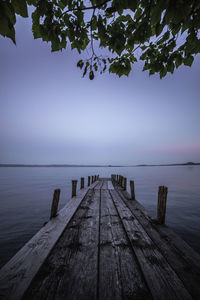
{"x":95,"y":177}
{"x":88,"y":180}
{"x":132,"y":188}
{"x":74,"y":185}
{"x":125,"y":183}
{"x":162,"y":200}
{"x":54,"y":206}
{"x":122,"y":179}
{"x":92,"y":179}
{"x":82,"y":182}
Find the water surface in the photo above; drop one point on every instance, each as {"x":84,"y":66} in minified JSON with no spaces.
{"x":26,"y":195}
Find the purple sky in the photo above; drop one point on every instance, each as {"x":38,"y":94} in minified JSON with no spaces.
{"x":50,"y":114}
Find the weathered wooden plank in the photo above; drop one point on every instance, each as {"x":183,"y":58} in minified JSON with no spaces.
{"x":133,"y":252}
{"x":160,"y":277}
{"x":70,"y":271}
{"x":182,"y":258}
{"x":187,"y":272}
{"x":99,"y":185}
{"x":119,"y":273}
{"x":17,"y":274}
{"x":105,"y":185}
{"x":110,"y":185}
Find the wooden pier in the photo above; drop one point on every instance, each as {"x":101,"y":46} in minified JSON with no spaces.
{"x":103,"y":245}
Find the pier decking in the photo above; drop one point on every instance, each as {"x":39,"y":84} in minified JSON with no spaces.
{"x":103,"y":245}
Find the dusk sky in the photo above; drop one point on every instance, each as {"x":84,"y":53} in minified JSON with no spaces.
{"x":51,"y":115}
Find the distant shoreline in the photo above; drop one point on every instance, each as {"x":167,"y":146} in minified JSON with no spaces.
{"x":102,"y":166}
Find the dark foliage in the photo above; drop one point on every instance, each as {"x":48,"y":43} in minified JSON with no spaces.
{"x":162,"y":33}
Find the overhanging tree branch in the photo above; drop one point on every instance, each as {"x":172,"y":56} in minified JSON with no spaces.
{"x":86,"y":8}
{"x":121,"y":27}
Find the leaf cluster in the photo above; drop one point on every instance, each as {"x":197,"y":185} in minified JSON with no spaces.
{"x":8,"y":11}
{"x":164,"y":34}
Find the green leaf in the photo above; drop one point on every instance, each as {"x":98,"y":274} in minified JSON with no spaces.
{"x":163,"y":72}
{"x":85,"y":70}
{"x":188,"y":61}
{"x":20,"y":7}
{"x":144,"y":47}
{"x":80,"y":64}
{"x":170,"y":67}
{"x":138,"y":13}
{"x":151,"y":72}
{"x":10,"y":13}
{"x":156,"y":15}
{"x":55,"y":45}
{"x":11,"y":34}
{"x":178,"y":60}
{"x":158,"y":29}
{"x":121,"y":67}
{"x":91,"y":75}
{"x":146,"y":66}
{"x":132,"y":4}
{"x":3,"y":26}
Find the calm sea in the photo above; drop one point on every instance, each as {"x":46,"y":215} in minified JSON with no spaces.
{"x":26,"y":195}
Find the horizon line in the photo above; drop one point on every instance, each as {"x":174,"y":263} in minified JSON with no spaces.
{"x":97,"y":165}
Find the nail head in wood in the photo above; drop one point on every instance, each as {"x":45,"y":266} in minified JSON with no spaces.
{"x":162,"y":200}
{"x":54,"y":206}
{"x":74,"y":185}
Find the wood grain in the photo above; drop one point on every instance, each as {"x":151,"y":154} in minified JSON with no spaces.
{"x":119,"y":273}
{"x":18,"y":273}
{"x":101,"y":245}
{"x":67,"y":274}
{"x":160,"y":277}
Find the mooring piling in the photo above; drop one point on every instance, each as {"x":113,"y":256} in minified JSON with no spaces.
{"x":162,"y":200}
{"x":82,"y":182}
{"x":54,"y":206}
{"x":74,"y":185}
{"x":132,"y":188}
{"x":125,"y":184}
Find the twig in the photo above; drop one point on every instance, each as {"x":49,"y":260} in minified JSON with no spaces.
{"x":85,"y":8}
